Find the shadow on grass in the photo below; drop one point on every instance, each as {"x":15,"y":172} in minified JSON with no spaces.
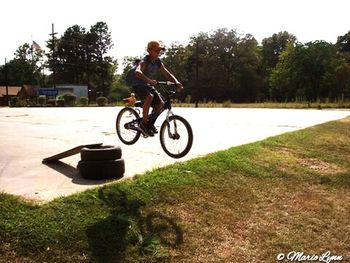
{"x":126,"y":231}
{"x":2,"y":240}
{"x":339,"y":180}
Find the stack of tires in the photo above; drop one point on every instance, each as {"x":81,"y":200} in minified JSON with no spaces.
{"x":102,"y":162}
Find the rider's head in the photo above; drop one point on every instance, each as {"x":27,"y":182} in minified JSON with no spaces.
{"x":154,"y":48}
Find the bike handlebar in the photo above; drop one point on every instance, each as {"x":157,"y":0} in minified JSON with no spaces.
{"x":168,"y":83}
{"x":169,"y":91}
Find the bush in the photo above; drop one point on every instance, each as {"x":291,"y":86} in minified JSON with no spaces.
{"x":227,"y":104}
{"x":14,"y":101}
{"x":101,"y":101}
{"x":22,"y":103}
{"x":42,"y":100}
{"x":60,"y":102}
{"x":51,"y":102}
{"x":84,"y":101}
{"x":69,"y":98}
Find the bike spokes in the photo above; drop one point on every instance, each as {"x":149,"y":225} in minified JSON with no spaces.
{"x":126,"y":125}
{"x":176,"y":137}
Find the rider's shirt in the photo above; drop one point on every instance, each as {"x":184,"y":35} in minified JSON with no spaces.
{"x":150,"y":71}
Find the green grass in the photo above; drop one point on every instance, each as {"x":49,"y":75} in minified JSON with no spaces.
{"x":269,"y":105}
{"x":245,"y":204}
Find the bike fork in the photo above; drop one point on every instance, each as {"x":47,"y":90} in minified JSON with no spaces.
{"x":175,"y":134}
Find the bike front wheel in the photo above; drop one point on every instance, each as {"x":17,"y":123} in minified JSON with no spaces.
{"x":176,"y":136}
{"x":126,"y":125}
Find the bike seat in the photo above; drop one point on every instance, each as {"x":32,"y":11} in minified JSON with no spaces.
{"x":138,"y":103}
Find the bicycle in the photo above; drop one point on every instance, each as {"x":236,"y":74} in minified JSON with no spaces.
{"x":176,"y":136}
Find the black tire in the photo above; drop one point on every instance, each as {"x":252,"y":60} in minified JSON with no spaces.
{"x":127,"y":116}
{"x":176,"y":147}
{"x":99,"y":170}
{"x":103,"y":152}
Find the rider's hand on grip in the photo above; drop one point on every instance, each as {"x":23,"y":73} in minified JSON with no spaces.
{"x":152,"y":82}
{"x":179,"y":87}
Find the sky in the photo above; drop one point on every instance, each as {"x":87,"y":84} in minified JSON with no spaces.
{"x":133,"y":23}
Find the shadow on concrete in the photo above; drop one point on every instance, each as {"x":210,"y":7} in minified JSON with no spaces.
{"x":73,"y":173}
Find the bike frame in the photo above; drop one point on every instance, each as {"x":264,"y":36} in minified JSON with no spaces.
{"x":167,"y":105}
{"x":173,"y":127}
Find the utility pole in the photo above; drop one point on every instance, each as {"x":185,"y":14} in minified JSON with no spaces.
{"x":7,"y":85}
{"x":197,"y":78}
{"x":53,"y":57}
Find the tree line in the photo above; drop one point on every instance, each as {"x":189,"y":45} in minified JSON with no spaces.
{"x":77,"y":57}
{"x":224,"y":65}
{"x":221,"y":65}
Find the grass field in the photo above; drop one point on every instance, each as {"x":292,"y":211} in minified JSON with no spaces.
{"x":271,"y":105}
{"x":246,"y":204}
{"x":268,"y":105}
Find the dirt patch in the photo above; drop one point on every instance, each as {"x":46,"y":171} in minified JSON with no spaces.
{"x":311,"y":163}
{"x":345,"y":120}
{"x":319,"y":165}
{"x":285,"y":150}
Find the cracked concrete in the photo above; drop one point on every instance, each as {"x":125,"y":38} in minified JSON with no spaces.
{"x":28,"y":135}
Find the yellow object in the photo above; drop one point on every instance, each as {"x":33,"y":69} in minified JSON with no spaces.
{"x":131,"y":100}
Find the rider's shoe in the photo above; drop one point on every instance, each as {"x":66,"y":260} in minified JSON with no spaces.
{"x":154,"y":129}
{"x":145,"y":131}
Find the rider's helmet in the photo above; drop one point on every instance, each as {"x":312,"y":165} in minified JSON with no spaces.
{"x":152,"y":45}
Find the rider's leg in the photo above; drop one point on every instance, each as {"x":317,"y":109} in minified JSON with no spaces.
{"x":158,"y":105}
{"x":145,"y":95}
{"x":145,"y":109}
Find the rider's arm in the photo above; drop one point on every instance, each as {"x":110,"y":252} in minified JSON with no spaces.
{"x":139,"y":74}
{"x":166,"y":73}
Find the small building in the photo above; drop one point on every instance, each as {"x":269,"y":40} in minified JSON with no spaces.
{"x":77,"y":90}
{"x":31,"y":91}
{"x":12,"y":92}
{"x":28,"y":92}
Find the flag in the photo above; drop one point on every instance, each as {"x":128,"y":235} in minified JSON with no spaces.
{"x":36,"y":46}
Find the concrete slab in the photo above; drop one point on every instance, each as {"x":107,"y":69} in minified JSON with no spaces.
{"x":28,"y":135}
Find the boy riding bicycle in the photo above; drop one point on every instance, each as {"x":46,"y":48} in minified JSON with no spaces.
{"x":145,"y":74}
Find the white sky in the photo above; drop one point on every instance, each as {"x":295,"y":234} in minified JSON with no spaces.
{"x":133,"y":23}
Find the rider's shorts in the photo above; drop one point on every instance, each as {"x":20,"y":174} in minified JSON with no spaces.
{"x":142,"y":92}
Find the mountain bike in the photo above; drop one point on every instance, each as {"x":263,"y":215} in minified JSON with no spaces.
{"x":176,"y":136}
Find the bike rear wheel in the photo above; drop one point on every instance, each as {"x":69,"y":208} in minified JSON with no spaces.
{"x":126,"y":125}
{"x":176,"y":136}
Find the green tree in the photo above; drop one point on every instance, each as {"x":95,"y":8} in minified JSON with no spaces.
{"x":176,"y":60}
{"x":248,"y":77}
{"x":25,"y":68}
{"x":225,"y":66}
{"x":273,"y":46}
{"x":104,"y":66}
{"x":337,"y":79}
{"x":80,"y":57}
{"x":71,"y":56}
{"x":343,"y":43}
{"x":196,"y":66}
{"x":271,"y":49}
{"x":343,"y":46}
{"x":304,"y":71}
{"x":223,"y":48}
